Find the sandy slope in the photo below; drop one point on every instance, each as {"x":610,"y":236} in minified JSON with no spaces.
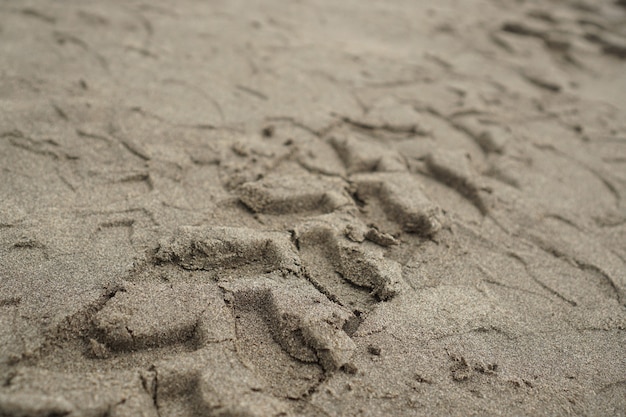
{"x":312,"y":208}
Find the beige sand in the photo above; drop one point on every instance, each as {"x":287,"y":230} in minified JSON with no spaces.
{"x":312,"y":208}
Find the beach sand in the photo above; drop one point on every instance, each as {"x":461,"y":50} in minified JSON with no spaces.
{"x":312,"y":208}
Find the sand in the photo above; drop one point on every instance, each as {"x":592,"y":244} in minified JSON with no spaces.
{"x":312,"y":208}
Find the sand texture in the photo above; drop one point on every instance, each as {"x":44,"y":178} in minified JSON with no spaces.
{"x":312,"y":208}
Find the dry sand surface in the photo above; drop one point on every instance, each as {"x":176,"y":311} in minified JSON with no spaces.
{"x":312,"y":208}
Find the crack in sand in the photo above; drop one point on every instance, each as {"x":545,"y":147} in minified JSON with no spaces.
{"x":543,"y":285}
